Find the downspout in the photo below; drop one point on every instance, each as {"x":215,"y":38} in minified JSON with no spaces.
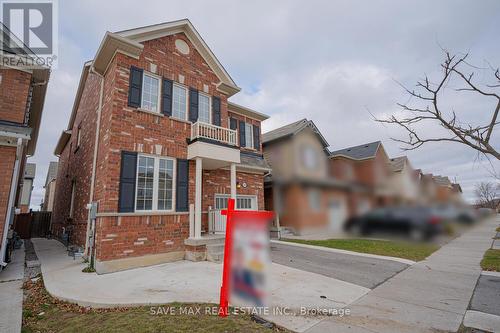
{"x":90,"y":225}
{"x":12,"y":195}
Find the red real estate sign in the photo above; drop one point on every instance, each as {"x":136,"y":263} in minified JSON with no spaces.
{"x":245,"y":256}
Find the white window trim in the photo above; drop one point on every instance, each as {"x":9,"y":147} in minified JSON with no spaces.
{"x":156,"y":173}
{"x":186,"y":118}
{"x":144,"y":73}
{"x":251,"y":136}
{"x":209,"y":106}
{"x":310,"y":197}
{"x":220,"y":195}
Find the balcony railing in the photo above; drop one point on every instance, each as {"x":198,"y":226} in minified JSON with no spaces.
{"x":213,"y":132}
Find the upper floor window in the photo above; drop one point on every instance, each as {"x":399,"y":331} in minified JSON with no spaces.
{"x":155,"y":183}
{"x":78,"y":136}
{"x":150,"y":93}
{"x":310,"y":157}
{"x":248,"y":135}
{"x":204,"y":108}
{"x":179,"y":102}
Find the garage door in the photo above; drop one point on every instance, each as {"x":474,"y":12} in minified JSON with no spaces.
{"x":337,"y":211}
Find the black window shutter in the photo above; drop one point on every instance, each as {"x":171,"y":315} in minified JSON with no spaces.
{"x":242,"y":134}
{"x":166,"y":97}
{"x":135,"y":87}
{"x":256,"y":137}
{"x":126,"y":199}
{"x":233,"y":123}
{"x":182,"y":190}
{"x":193,"y":105}
{"x":216,"y":110}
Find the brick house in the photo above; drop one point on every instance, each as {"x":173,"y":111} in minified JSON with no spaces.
{"x":301,"y":190}
{"x":153,"y":150}
{"x":368,"y":166}
{"x":22,"y":95}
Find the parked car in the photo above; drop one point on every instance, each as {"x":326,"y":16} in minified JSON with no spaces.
{"x":419,"y":223}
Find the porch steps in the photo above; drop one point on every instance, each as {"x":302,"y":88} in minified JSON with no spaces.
{"x":215,"y":251}
{"x":285,"y":231}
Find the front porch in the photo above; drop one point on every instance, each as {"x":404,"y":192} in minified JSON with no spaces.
{"x":218,"y":177}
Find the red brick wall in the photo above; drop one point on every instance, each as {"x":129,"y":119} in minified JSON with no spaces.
{"x":75,"y":165}
{"x":132,"y":236}
{"x":6,"y":168}
{"x":14,"y":87}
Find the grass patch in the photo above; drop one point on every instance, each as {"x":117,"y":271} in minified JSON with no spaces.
{"x":412,"y":251}
{"x":43,"y":313}
{"x":498,"y":229}
{"x":491,"y":261}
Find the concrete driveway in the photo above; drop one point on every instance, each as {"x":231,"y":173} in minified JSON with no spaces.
{"x":186,"y":281}
{"x":362,"y":270}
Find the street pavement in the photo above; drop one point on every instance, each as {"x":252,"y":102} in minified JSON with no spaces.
{"x":11,"y":293}
{"x":432,"y":295}
{"x":363,"y":271}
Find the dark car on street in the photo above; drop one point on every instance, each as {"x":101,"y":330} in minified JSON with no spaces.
{"x":419,"y":223}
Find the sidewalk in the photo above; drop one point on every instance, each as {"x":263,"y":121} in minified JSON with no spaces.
{"x":186,"y":281}
{"x":431,"y":295}
{"x":11,"y":293}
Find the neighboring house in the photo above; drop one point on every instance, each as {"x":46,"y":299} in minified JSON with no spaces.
{"x":456,"y":194}
{"x":22,"y":94}
{"x":153,"y":150}
{"x":405,"y":181}
{"x":50,"y":187}
{"x":428,"y":189}
{"x":444,"y":189}
{"x":369,"y":166}
{"x":300,"y":190}
{"x":27,"y":187}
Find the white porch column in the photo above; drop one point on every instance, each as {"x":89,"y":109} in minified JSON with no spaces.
{"x":197,"y":199}
{"x":233,"y":180}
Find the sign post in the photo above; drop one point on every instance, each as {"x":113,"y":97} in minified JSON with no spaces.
{"x":233,"y":216}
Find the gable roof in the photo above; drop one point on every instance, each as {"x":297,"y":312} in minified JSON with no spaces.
{"x":129,"y":42}
{"x":361,"y":152}
{"x":398,"y":163}
{"x":442,"y":180}
{"x":292,"y":129}
{"x":52,"y":172}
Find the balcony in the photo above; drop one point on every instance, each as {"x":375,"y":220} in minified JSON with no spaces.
{"x":213,"y":133}
{"x":216,"y":145}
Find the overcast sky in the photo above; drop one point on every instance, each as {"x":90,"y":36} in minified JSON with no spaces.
{"x":334,"y":62}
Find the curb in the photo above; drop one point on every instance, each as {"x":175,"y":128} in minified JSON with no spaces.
{"x":359,"y":254}
{"x":482,"y":321}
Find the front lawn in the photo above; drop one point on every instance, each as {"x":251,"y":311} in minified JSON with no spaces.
{"x":412,"y":251}
{"x":491,"y":261}
{"x":43,"y":313}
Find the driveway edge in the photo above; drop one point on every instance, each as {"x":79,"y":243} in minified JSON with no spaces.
{"x":360,"y":254}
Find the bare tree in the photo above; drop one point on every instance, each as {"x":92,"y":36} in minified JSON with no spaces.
{"x":427,"y":108}
{"x":486,"y":193}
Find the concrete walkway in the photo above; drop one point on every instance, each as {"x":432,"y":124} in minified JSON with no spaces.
{"x":11,"y":293}
{"x":429,"y":296}
{"x":186,"y":281}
